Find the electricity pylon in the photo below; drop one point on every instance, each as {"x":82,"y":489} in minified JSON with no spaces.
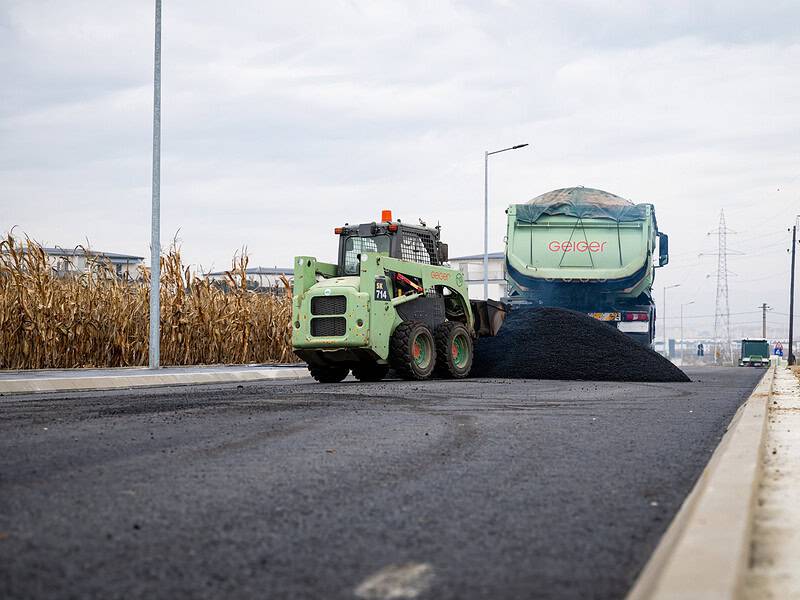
{"x":722,"y":312}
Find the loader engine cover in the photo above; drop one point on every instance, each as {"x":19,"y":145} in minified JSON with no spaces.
{"x":427,"y":309}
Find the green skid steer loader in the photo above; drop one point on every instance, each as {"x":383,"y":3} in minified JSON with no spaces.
{"x":389,"y":302}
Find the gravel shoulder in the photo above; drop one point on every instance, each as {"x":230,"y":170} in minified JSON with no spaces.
{"x":501,"y":488}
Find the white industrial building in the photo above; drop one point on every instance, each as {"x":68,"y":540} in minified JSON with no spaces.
{"x":472,"y":268}
{"x":78,"y":260}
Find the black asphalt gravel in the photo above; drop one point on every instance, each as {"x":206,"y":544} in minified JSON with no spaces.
{"x":506,"y":489}
{"x":556,"y":343}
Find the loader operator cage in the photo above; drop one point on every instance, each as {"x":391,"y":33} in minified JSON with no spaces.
{"x":415,"y":247}
{"x":355,"y":245}
{"x":413,"y":244}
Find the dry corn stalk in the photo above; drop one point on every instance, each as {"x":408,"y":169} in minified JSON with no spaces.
{"x":95,"y":319}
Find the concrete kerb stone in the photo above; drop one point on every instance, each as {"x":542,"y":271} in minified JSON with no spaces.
{"x":155,"y":379}
{"x":705,"y":551}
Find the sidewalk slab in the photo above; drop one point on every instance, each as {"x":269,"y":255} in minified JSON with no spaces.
{"x":705,"y":552}
{"x":63,"y":380}
{"x":775,"y":563}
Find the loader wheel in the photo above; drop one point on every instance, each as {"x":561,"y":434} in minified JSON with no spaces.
{"x":412,"y":350}
{"x":454,"y":350}
{"x":328,"y":374}
{"x":370,"y":371}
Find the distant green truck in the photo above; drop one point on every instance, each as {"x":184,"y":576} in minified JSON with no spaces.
{"x":589,"y":251}
{"x":755,"y":353}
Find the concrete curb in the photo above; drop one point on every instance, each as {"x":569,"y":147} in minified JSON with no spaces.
{"x":146,"y":379}
{"x":705,"y":551}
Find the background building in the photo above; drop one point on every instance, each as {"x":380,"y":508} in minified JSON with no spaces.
{"x":79,"y":260}
{"x":472,"y":268}
{"x":260,"y":278}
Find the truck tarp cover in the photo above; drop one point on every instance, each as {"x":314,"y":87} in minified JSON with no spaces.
{"x":584,"y":203}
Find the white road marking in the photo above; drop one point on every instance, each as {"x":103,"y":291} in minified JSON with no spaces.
{"x":397,"y":582}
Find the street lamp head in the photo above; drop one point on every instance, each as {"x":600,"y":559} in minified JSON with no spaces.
{"x":486,"y":155}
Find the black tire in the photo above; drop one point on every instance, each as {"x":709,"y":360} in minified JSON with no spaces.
{"x":370,"y":371}
{"x":412,"y":350}
{"x":328,"y":374}
{"x":454,"y":350}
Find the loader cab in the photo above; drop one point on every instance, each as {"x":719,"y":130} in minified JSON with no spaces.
{"x":411,"y":243}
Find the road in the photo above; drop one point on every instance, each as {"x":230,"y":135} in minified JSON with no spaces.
{"x":483,"y":489}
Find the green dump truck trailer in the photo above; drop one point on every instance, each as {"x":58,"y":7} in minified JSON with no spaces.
{"x":590,"y":251}
{"x":755,"y":353}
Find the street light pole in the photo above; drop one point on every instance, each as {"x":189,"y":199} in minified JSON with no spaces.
{"x":486,"y":225}
{"x":764,"y":308}
{"x":155,"y":231}
{"x":664,"y":310}
{"x":683,"y":344}
{"x":791,"y":296}
{"x":486,"y":156}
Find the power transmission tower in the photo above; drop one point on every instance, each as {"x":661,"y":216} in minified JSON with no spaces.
{"x":722,"y":313}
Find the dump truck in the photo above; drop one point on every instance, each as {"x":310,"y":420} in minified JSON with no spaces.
{"x":755,"y":353}
{"x":389,"y":302}
{"x":589,"y":251}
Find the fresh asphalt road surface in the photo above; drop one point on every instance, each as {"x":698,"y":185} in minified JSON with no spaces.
{"x":478,"y":489}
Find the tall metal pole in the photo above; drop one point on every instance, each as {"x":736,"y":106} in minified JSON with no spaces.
{"x":683,"y":343}
{"x":155,"y":232}
{"x":664,"y":316}
{"x":791,"y":296}
{"x":764,"y":307}
{"x":486,"y":226}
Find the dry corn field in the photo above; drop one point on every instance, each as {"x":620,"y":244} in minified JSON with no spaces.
{"x":98,"y":320}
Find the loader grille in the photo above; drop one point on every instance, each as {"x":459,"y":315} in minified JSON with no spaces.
{"x":328,"y":327}
{"x":328,"y":305}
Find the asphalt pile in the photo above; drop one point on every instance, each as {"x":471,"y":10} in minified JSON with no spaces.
{"x":555,"y":343}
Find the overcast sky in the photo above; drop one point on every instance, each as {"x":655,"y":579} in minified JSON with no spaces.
{"x":282,"y":120}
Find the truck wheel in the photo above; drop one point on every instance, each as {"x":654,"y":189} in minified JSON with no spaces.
{"x":454,"y":350}
{"x":328,"y":374}
{"x":370,"y":371}
{"x":412,"y":350}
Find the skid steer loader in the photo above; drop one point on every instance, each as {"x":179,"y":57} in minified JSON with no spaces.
{"x":391,"y":301}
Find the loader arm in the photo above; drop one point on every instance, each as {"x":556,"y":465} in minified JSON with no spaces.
{"x":306,"y":269}
{"x":431,"y":276}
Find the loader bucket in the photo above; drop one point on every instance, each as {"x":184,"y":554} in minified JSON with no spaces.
{"x":489,"y":316}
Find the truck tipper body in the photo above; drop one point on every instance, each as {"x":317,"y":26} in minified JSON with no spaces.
{"x":590,"y":251}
